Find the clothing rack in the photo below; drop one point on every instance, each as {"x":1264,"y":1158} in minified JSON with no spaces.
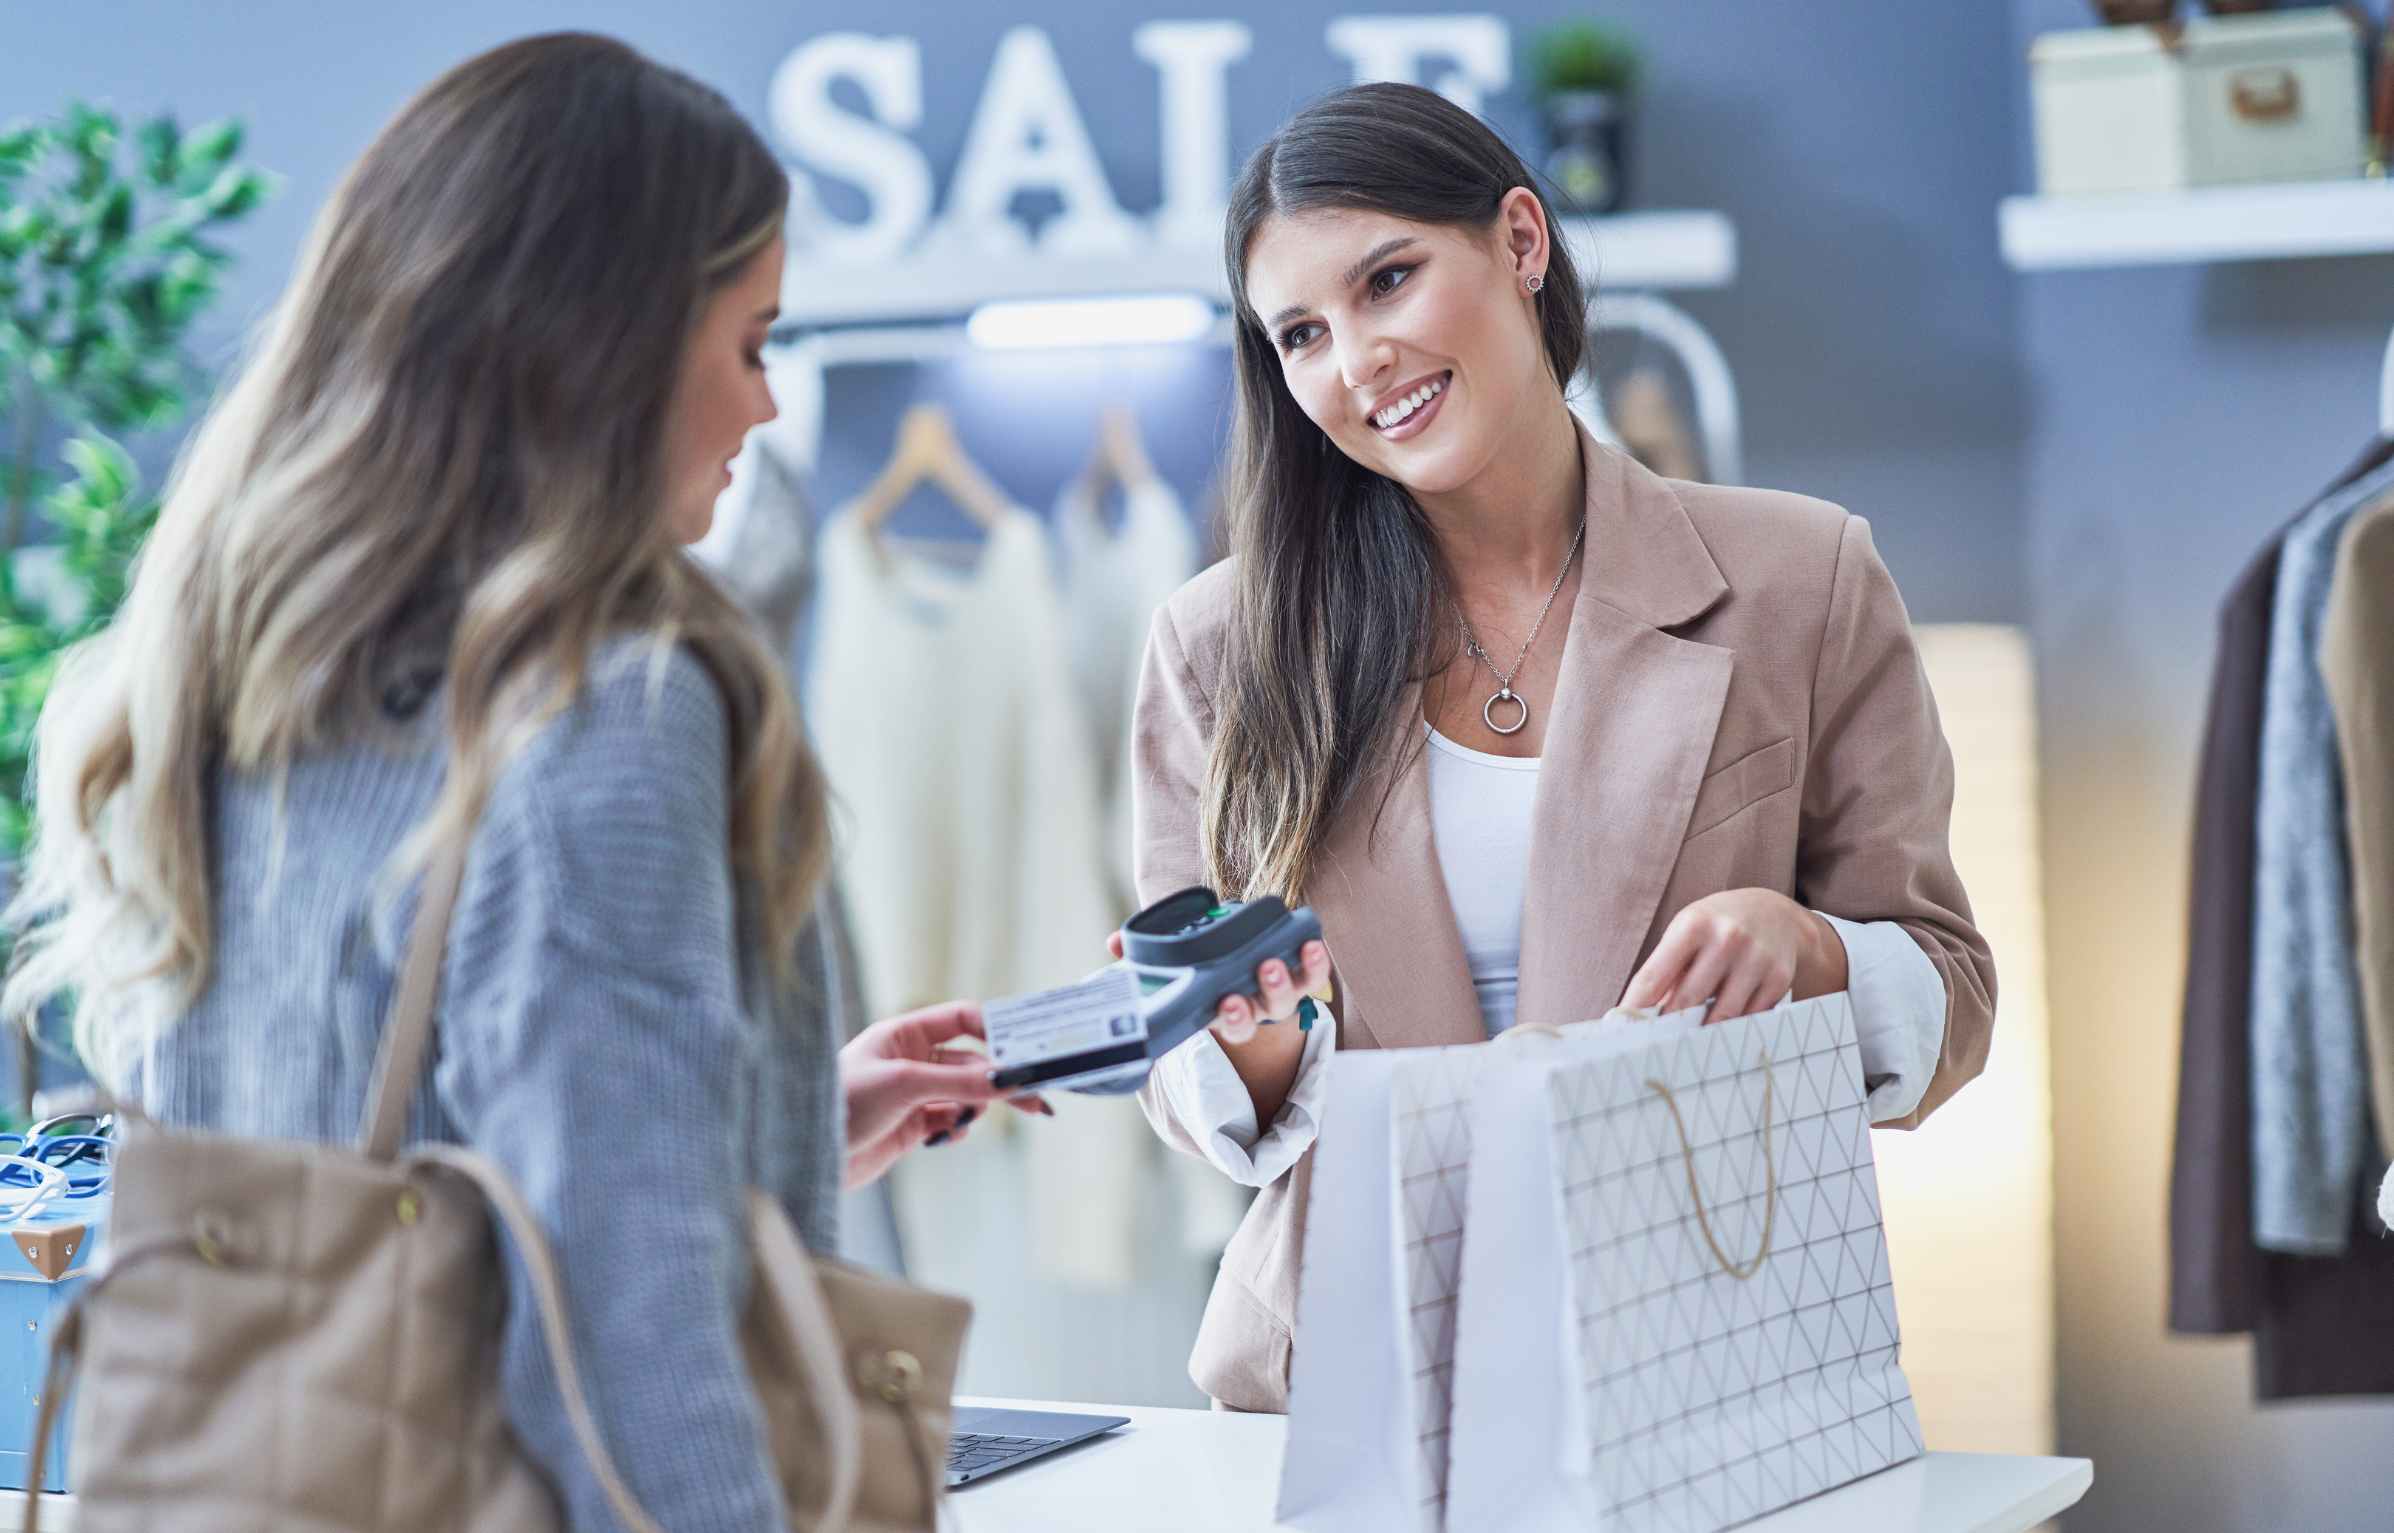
{"x":1713,"y":386}
{"x":815,"y":353}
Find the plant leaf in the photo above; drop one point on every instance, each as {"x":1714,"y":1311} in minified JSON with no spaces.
{"x":205,"y":152}
{"x":115,"y":215}
{"x":161,"y":144}
{"x":234,"y":193}
{"x":103,"y":471}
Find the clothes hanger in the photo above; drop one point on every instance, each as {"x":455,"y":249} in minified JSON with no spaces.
{"x":927,"y":452}
{"x":1118,"y":457}
{"x":1122,"y":451}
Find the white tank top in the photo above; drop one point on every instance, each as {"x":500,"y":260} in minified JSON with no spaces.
{"x":1480,"y":808}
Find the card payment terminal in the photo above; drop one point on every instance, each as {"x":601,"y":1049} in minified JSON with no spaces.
{"x":1182,"y":957}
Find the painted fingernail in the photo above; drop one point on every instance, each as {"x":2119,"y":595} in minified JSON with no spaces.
{"x":936,"y":1140}
{"x":967,"y":1116}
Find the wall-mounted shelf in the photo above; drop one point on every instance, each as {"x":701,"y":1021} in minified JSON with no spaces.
{"x":2236,"y":223}
{"x":1655,"y":252}
{"x":1643,"y":252}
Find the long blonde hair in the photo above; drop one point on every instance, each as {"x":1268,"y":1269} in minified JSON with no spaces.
{"x":453,"y":426}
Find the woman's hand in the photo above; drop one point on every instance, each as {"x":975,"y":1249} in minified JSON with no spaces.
{"x":1277,"y":991}
{"x":904,"y":1084}
{"x":1741,"y":950}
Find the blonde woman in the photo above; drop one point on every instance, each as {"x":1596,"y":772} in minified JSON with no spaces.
{"x":420,"y":576}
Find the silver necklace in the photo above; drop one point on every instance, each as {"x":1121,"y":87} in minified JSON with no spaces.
{"x":1504,"y":692}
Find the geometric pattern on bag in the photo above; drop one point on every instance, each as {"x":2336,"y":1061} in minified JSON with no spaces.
{"x":1738,"y":1354}
{"x":1430,"y":1122}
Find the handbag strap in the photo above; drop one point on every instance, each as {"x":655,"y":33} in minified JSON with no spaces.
{"x":548,"y":1296}
{"x":398,"y":1062}
{"x":788,"y":1275}
{"x":407,"y":1035}
{"x":784,"y":1265}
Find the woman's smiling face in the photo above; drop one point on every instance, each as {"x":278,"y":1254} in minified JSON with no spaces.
{"x":1413,"y":346}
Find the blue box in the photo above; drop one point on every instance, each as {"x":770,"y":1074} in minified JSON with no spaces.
{"x":43,"y":1262}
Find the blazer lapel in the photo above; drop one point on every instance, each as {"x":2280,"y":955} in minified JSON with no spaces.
{"x":1383,"y":904}
{"x":1626,"y":746}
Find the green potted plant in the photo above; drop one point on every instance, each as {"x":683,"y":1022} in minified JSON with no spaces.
{"x":1584,"y":75}
{"x":103,"y":269}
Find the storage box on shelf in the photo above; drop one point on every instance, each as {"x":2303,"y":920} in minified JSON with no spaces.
{"x":43,"y":1262}
{"x":2211,"y":102}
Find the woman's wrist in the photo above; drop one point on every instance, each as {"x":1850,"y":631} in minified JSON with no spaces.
{"x":1820,"y":964}
{"x":1267,"y":1066}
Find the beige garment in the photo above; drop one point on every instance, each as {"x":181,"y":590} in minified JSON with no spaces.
{"x":261,"y":1296}
{"x":1740,"y":705}
{"x":2356,"y":657}
{"x":1114,"y":579}
{"x":945,"y":714}
{"x":1652,"y":429}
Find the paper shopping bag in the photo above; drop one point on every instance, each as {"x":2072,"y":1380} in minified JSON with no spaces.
{"x":1349,"y":1464}
{"x":1370,"y":1386}
{"x":1675,"y":1312}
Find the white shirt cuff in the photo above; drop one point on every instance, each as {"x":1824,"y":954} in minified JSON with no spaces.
{"x":1899,"y":1013}
{"x":1207,"y":1098}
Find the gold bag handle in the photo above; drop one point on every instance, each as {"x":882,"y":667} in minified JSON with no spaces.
{"x":1687,"y":1152}
{"x":1695,"y":1194}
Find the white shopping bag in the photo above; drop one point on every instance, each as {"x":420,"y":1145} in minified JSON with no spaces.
{"x":1675,"y":1308}
{"x":1350,"y":1458}
{"x":1371,"y":1378}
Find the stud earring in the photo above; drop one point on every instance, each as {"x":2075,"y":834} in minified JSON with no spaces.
{"x":1535,"y":281}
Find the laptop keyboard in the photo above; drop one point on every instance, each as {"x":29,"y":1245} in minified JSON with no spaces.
{"x":972,"y":1452}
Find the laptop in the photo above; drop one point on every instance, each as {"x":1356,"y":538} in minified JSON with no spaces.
{"x":987,"y":1440}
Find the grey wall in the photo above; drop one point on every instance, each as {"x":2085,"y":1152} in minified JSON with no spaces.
{"x":1854,"y":143}
{"x":2176,"y":416}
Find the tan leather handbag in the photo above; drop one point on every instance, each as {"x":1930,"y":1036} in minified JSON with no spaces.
{"x":288,"y":1336}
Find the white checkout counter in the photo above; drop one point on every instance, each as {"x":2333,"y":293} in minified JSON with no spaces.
{"x":1186,"y":1471}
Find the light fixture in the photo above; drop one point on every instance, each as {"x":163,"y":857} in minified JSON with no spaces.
{"x":1969,"y":1198}
{"x":1139,"y":321}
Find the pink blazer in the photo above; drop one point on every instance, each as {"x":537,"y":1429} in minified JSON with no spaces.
{"x":1741,"y":705}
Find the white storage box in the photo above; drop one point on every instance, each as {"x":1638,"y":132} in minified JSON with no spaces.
{"x":2214,"y":101}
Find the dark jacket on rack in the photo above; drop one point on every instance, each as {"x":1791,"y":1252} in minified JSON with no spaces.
{"x":2318,"y":1323}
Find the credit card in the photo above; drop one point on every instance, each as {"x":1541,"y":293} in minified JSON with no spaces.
{"x":1095,"y":1016}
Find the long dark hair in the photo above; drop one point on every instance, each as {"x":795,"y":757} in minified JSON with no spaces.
{"x":1338,"y":594}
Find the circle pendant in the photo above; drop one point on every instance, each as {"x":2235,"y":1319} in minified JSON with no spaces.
{"x":1520,"y":717}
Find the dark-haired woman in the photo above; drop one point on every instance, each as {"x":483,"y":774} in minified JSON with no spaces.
{"x":1535,"y":731}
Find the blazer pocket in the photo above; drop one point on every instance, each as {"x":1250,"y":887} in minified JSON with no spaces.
{"x":1741,"y":784}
